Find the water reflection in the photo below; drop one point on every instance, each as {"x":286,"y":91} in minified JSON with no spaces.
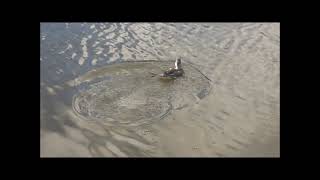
{"x":240,"y":117}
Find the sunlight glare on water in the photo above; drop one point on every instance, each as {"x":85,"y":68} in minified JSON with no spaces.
{"x":98,"y":98}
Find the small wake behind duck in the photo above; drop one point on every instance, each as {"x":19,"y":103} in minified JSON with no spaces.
{"x":124,"y":94}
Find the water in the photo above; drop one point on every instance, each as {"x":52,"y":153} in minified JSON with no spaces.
{"x":239,"y":116}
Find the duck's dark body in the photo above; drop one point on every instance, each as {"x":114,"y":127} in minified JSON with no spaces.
{"x":173,"y":73}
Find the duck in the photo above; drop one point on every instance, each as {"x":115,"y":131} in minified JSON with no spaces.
{"x":175,"y":72}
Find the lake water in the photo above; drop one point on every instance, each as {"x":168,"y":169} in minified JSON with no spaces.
{"x":99,"y":100}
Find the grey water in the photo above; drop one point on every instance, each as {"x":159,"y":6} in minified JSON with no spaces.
{"x":238,"y":117}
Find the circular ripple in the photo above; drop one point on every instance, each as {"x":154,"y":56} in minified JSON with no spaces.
{"x":127,"y":94}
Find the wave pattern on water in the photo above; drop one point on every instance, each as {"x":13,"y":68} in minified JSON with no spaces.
{"x":239,"y":117}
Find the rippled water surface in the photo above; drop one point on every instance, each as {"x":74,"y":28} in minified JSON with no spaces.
{"x":99,"y":98}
